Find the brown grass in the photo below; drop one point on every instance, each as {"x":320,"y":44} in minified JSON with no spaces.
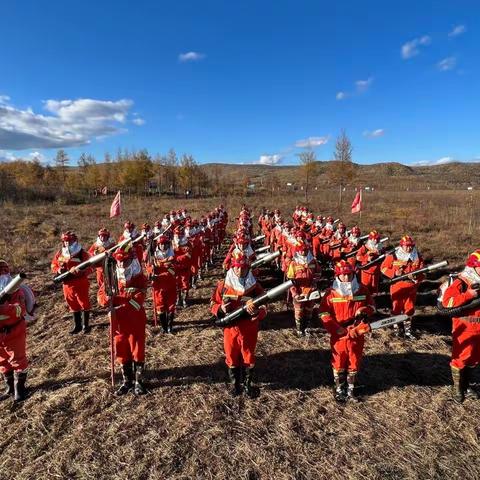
{"x":187,"y":427}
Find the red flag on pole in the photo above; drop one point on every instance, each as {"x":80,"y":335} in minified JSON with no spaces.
{"x":116,"y":207}
{"x":357,"y":202}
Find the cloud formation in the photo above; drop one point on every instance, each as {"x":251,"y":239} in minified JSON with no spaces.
{"x":457,"y":30}
{"x":379,"y":132}
{"x":311,"y":142}
{"x":363,"y":85}
{"x":270,"y":159}
{"x":341,"y":96}
{"x":71,"y":123}
{"x":139,"y":121}
{"x":191,"y":57}
{"x":412,"y":48}
{"x":4,"y":99}
{"x":440,"y":161}
{"x":446,"y":64}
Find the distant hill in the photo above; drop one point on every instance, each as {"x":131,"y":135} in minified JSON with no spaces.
{"x":450,"y":175}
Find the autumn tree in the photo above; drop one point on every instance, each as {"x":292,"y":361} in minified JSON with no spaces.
{"x":308,"y":161}
{"x":342,"y":170}
{"x":61,"y":160}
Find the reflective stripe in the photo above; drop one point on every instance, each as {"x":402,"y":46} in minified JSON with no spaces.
{"x":324,"y":314}
{"x":359,"y":298}
{"x":4,"y":317}
{"x":450,"y":303}
{"x":135,"y":305}
{"x":339,"y":300}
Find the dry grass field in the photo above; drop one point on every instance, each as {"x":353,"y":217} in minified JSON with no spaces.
{"x":187,"y":427}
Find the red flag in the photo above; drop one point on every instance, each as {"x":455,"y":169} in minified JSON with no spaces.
{"x":357,"y":202}
{"x":116,"y":207}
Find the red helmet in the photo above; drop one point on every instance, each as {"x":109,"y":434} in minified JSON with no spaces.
{"x":158,"y":224}
{"x":179,"y":230}
{"x":407,"y":241}
{"x":374,"y":235}
{"x":129,"y":226}
{"x":301,"y":247}
{"x":300,"y":234}
{"x":341,"y":225}
{"x":103,"y":232}
{"x":473,"y":259}
{"x":319,"y":217}
{"x":4,"y":266}
{"x":163,"y":239}
{"x":69,"y":236}
{"x":123,"y":253}
{"x":330,"y":219}
{"x":343,"y":268}
{"x":240,"y":261}
{"x":146,"y":227}
{"x":242,"y":239}
{"x":356,"y":230}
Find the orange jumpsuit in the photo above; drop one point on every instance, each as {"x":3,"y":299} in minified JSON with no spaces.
{"x":164,"y":283}
{"x":404,"y":292}
{"x":465,"y":328}
{"x":13,"y":333}
{"x":339,"y":311}
{"x":183,"y":261}
{"x":239,"y":339}
{"x":369,"y":277}
{"x":129,"y":319}
{"x":303,"y":276}
{"x":75,"y":289}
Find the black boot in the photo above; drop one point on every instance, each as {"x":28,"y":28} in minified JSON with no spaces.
{"x":127,"y":384}
{"x":77,"y":318}
{"x":351,"y":380}
{"x":164,"y":322}
{"x":409,"y":335}
{"x":300,"y":327}
{"x":340,"y":379}
{"x":9,"y":385}
{"x":170,"y":318}
{"x":235,"y":380}
{"x":86,"y":322}
{"x":139,"y":387}
{"x":250,"y":390}
{"x":458,"y":384}
{"x":184,"y":295}
{"x":470,"y":392}
{"x":19,"y":385}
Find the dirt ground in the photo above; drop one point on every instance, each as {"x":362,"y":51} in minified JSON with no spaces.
{"x":187,"y":427}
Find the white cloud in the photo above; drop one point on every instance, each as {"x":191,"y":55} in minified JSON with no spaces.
{"x":37,"y":156}
{"x":311,"y":142}
{"x":341,"y":96}
{"x":411,"y":48}
{"x":191,"y":57}
{"x":270,"y":159}
{"x":446,"y":64}
{"x":72,"y":123}
{"x":4,"y":99}
{"x":363,"y":85}
{"x":379,"y":132}
{"x":440,"y":161}
{"x":457,"y":30}
{"x":139,"y":121}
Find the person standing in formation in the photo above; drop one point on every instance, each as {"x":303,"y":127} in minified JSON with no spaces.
{"x":129,"y":320}
{"x":304,"y":270}
{"x":75,"y":288}
{"x":343,"y":308}
{"x":161,"y":269}
{"x":465,"y":328}
{"x":404,"y":260}
{"x":13,"y":339}
{"x":240,"y":338}
{"x":370,"y":277}
{"x":183,"y":261}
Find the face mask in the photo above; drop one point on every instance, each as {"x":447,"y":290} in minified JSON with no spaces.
{"x":4,"y":280}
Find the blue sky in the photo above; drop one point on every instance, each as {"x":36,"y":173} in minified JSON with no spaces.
{"x":241,"y":82}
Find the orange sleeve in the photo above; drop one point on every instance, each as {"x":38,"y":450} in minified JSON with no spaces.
{"x":387,"y":267}
{"x":457,"y":294}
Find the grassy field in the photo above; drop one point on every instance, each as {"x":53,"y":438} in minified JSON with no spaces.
{"x":188,"y":427}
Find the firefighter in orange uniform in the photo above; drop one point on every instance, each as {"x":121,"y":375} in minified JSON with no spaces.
{"x":130,"y":231}
{"x":304,"y":271}
{"x":129,"y":320}
{"x":240,"y":338}
{"x":162,"y":272}
{"x":370,"y":277}
{"x":103,"y":242}
{"x":465,"y":327}
{"x":404,"y":260}
{"x":183,"y":261}
{"x":343,"y":309}
{"x":13,"y":335}
{"x":75,"y":289}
